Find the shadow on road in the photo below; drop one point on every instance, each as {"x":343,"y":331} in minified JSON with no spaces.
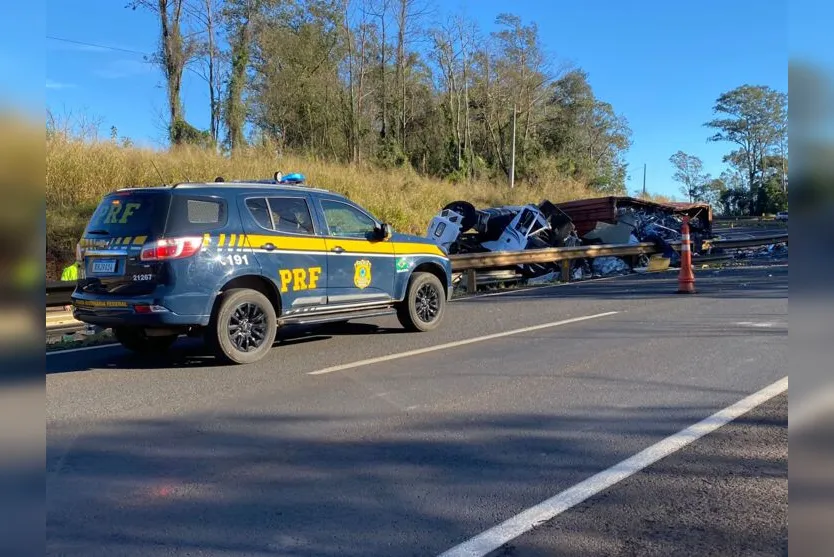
{"x":193,"y":353}
{"x":324,"y":485}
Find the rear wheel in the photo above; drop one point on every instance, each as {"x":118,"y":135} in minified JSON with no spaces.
{"x":424,"y":303}
{"x":137,"y":340}
{"x":243,"y":326}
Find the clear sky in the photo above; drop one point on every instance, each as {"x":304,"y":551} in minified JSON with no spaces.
{"x":661,"y":64}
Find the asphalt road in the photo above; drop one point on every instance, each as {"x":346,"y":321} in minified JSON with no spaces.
{"x":725,"y":494}
{"x":414,"y":455}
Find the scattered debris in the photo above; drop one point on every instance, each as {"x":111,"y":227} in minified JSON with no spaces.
{"x":553,"y":276}
{"x":581,"y":271}
{"x":460,"y":227}
{"x":607,"y":266}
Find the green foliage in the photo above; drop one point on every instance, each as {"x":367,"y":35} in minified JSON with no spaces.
{"x":755,"y":118}
{"x":344,"y":81}
{"x":770,"y":198}
{"x":735,"y":202}
{"x":586,"y":135}
{"x":183,"y":133}
{"x":390,"y":155}
{"x":690,"y":173}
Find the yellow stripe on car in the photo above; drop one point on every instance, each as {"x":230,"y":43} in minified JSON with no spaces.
{"x":408,"y":248}
{"x":294,"y":243}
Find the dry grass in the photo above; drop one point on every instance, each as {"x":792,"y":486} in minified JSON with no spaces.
{"x":79,"y":173}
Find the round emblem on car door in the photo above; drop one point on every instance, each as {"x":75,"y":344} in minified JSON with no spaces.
{"x":362,"y":273}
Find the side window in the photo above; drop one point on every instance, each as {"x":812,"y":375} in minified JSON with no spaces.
{"x":260,"y":211}
{"x":196,"y":215}
{"x":203,"y":212}
{"x":346,"y":221}
{"x":291,"y":215}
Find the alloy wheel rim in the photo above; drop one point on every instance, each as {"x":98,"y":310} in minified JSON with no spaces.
{"x":247,"y":327}
{"x":427,"y":303}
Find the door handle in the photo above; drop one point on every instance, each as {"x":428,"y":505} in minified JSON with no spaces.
{"x":338,"y":249}
{"x":268,"y":247}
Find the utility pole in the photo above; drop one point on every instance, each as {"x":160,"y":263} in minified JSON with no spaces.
{"x":512,"y":158}
{"x":644,"y":179}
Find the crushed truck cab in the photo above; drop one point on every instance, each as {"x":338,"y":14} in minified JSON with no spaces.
{"x":234,"y":261}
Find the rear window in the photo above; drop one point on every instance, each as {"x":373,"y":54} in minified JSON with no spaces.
{"x":196,"y":215}
{"x":129,"y":214}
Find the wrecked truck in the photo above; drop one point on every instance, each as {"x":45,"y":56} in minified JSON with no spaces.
{"x":462,"y":228}
{"x":647,"y":220}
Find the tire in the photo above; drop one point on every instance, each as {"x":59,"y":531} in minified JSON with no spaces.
{"x":135,"y":340}
{"x":237,"y":308}
{"x":412,"y":311}
{"x":467,"y":211}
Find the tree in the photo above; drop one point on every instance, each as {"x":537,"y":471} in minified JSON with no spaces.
{"x":755,"y":119}
{"x":713,"y":190}
{"x":584,"y":134}
{"x":690,"y":173}
{"x":348,"y":80}
{"x":380,"y":10}
{"x":238,"y":16}
{"x":206,"y":12}
{"x":454,"y":44}
{"x":408,"y":15}
{"x":735,"y":202}
{"x":175,"y":51}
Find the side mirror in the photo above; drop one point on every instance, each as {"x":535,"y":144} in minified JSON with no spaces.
{"x":385,"y":231}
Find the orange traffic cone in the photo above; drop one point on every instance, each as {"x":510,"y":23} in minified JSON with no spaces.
{"x":686,"y":278}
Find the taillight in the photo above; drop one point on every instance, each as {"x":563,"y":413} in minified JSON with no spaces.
{"x":171,"y":248}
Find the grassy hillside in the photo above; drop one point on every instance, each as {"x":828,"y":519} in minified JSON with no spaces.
{"x":79,"y":173}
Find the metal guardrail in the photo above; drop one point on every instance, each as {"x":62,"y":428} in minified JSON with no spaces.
{"x":493,"y":259}
{"x":748,"y":242}
{"x":58,"y":292}
{"x":470,"y":263}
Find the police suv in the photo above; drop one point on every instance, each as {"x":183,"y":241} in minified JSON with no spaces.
{"x":234,"y":261}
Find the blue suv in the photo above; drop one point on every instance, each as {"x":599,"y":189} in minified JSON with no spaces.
{"x":234,"y":261}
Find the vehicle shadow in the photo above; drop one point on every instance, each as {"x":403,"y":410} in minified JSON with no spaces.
{"x":193,"y":352}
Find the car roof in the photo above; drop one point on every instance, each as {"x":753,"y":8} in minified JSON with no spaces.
{"x":265,"y":186}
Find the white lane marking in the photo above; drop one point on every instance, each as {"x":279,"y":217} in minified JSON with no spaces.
{"x":82,"y":349}
{"x":495,"y":537}
{"x":456,"y":343}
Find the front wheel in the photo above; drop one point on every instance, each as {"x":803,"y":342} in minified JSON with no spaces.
{"x":243,"y":326}
{"x":136,"y":340}
{"x":424,"y":303}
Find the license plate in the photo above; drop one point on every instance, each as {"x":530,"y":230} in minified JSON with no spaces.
{"x":104,"y":266}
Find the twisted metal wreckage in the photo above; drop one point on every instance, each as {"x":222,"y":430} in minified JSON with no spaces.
{"x":461,"y":228}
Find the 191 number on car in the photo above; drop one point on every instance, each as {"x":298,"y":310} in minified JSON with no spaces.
{"x":235,"y":259}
